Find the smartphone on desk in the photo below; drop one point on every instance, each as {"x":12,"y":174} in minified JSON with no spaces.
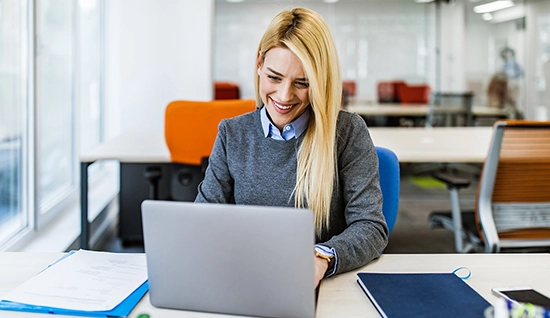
{"x":522,"y":294}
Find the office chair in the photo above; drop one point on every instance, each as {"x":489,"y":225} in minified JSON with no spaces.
{"x":226,"y":90}
{"x":512,"y":208}
{"x":190,"y":131}
{"x":450,"y":109}
{"x":388,"y":168}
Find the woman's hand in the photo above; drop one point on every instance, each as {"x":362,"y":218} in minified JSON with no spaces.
{"x":321,"y":266}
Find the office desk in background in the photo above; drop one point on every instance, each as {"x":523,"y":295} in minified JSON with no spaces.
{"x":339,"y":296}
{"x":418,"y":110}
{"x":132,"y":149}
{"x":436,"y":144}
{"x":411,"y":145}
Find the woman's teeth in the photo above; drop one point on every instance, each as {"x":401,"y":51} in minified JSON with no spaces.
{"x":281,"y":106}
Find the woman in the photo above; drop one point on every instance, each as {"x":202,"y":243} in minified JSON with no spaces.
{"x":299,"y":149}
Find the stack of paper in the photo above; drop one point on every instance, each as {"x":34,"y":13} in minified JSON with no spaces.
{"x":84,"y":283}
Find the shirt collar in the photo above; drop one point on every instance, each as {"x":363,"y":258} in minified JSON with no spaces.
{"x":292,"y":130}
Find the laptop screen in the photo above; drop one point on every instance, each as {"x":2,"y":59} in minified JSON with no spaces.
{"x":234,"y":259}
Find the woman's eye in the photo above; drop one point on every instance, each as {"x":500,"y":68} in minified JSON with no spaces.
{"x":302,"y":84}
{"x":273,"y":78}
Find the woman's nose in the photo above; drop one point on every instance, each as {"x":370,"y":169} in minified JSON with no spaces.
{"x":286,"y":92}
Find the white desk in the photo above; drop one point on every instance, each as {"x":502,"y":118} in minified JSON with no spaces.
{"x":436,"y":145}
{"x":339,"y":296}
{"x":418,"y":144}
{"x":419,"y":110}
{"x":131,"y":147}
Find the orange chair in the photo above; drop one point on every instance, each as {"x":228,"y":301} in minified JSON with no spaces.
{"x":190,"y":131}
{"x":512,"y":206}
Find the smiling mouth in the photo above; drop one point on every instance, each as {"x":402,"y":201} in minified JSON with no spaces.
{"x":284,"y":107}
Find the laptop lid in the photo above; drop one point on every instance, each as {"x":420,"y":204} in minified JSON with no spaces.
{"x":233,"y":259}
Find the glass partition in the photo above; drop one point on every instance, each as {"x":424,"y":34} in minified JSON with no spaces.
{"x":496,"y":54}
{"x":377,"y":40}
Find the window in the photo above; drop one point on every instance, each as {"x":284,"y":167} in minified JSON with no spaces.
{"x":55,"y":91}
{"x":14,"y":37}
{"x":50,"y":107}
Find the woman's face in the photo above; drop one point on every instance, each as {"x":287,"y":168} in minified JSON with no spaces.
{"x":284,"y":88}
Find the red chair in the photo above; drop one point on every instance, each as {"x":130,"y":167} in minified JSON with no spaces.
{"x":226,"y":90}
{"x":387,"y":91}
{"x":413,"y":94}
{"x":350,"y":88}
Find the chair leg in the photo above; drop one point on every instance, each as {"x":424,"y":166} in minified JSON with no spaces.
{"x":457,"y":220}
{"x":153,"y":174}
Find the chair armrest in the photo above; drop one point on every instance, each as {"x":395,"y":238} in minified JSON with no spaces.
{"x":452,"y":181}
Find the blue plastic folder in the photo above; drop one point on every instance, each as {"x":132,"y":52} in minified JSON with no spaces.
{"x":121,"y":310}
{"x":422,"y":295}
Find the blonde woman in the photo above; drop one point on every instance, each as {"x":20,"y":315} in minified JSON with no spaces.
{"x":299,"y":149}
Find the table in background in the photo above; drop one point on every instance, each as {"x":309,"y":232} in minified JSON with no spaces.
{"x":339,"y":296}
{"x":422,"y":110}
{"x":136,"y":150}
{"x":435,"y":145}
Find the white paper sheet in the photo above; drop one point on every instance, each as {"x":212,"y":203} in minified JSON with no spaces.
{"x":86,"y":280}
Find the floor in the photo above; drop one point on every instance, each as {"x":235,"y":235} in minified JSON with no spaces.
{"x":420,"y":195}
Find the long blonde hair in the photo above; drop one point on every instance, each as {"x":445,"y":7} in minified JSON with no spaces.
{"x":306,"y":34}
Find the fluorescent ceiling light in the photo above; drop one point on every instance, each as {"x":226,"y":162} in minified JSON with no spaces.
{"x":234,"y":1}
{"x":513,"y":13}
{"x":493,"y":6}
{"x":487,"y":16}
{"x":330,"y":1}
{"x":423,"y":1}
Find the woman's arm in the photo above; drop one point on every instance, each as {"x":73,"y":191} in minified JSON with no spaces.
{"x":358,"y":197}
{"x":217,"y":186}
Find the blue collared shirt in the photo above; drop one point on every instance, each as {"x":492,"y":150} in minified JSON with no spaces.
{"x":290,"y":131}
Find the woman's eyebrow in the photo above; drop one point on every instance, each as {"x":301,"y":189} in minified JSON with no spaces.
{"x":275,"y":72}
{"x":281,"y":75}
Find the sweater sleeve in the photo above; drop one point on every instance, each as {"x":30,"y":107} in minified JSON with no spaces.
{"x":359,"y":195}
{"x":217,"y":186}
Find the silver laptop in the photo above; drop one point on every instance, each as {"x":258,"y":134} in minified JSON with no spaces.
{"x":232,"y":259}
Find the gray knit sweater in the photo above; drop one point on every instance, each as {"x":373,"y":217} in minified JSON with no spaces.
{"x":245,"y":167}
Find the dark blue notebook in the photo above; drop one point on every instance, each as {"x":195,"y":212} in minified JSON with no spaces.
{"x":422,"y":295}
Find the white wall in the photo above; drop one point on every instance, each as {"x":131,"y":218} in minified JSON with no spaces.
{"x":156,"y":52}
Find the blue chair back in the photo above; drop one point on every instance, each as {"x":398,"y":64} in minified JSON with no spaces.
{"x":388,"y":167}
